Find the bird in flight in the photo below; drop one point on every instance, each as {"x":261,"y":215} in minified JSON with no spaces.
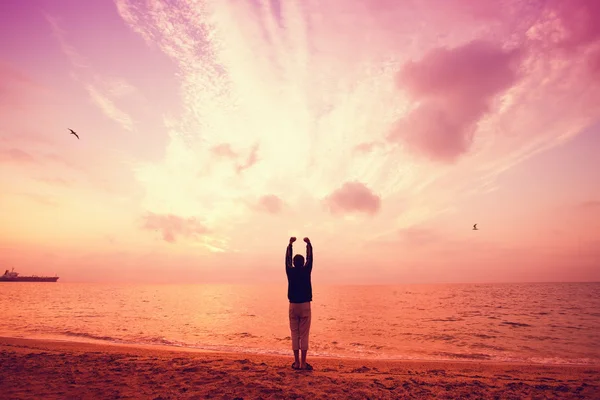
{"x":73,"y":133}
{"x":475,"y":227}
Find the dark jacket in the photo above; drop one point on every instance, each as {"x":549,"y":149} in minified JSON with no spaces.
{"x":299,"y":284}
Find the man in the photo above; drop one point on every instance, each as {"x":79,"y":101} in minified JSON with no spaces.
{"x":300,"y":296}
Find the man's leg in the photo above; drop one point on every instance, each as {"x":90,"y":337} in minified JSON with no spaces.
{"x":303,"y":362}
{"x":295,"y":334}
{"x":304,"y":329}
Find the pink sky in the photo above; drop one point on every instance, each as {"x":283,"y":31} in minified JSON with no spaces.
{"x":383,"y":130}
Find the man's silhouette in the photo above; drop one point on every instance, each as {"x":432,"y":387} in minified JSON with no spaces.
{"x":300,"y":296}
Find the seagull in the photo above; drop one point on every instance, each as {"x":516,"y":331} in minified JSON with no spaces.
{"x":73,"y":133}
{"x":475,"y":227}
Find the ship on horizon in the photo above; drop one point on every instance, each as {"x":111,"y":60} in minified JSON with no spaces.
{"x":12,"y":276}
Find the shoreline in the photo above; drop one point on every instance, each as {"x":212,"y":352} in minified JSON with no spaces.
{"x":34,"y":368}
{"x":176,"y":348}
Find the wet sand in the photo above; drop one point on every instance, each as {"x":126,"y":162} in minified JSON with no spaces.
{"x":42,"y":369}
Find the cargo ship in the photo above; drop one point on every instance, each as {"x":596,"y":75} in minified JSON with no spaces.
{"x":12,"y":276}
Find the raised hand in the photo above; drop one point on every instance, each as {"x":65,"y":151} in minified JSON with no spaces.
{"x":292,"y":239}
{"x":307,"y":240}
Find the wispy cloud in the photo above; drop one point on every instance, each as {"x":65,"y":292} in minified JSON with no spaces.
{"x":134,"y":18}
{"x":59,"y":34}
{"x":118,"y":87}
{"x":16,"y":156}
{"x":102,"y":91}
{"x":110,"y":109}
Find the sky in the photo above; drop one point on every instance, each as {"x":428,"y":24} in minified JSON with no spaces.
{"x":212,"y":131}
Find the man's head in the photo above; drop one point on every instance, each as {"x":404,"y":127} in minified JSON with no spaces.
{"x":298,"y":260}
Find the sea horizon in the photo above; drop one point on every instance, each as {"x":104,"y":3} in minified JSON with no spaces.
{"x":283,"y":283}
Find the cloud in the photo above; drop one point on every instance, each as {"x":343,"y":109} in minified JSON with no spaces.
{"x":59,"y":34}
{"x":353,"y":197}
{"x":100,"y":90}
{"x":567,"y":25}
{"x":487,"y":10}
{"x":250,"y":161}
{"x":172,"y":226}
{"x":366,"y":147}
{"x":109,"y":108}
{"x":248,"y":77}
{"x":118,"y":87}
{"x":580,"y":19}
{"x":224,"y":150}
{"x":129,"y":13}
{"x":16,"y":156}
{"x":453,"y":89}
{"x":270,"y":203}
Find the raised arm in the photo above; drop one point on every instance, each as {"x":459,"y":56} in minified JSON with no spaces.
{"x":309,"y":254}
{"x":288,"y":254}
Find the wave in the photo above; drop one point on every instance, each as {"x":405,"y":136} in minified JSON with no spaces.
{"x":515,"y":324}
{"x":89,"y":336}
{"x":360,"y":351}
{"x":464,"y":356}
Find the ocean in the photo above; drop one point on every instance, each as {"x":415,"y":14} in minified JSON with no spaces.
{"x":548,"y":323}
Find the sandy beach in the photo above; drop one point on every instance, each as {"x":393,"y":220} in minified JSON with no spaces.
{"x":35,"y":369}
